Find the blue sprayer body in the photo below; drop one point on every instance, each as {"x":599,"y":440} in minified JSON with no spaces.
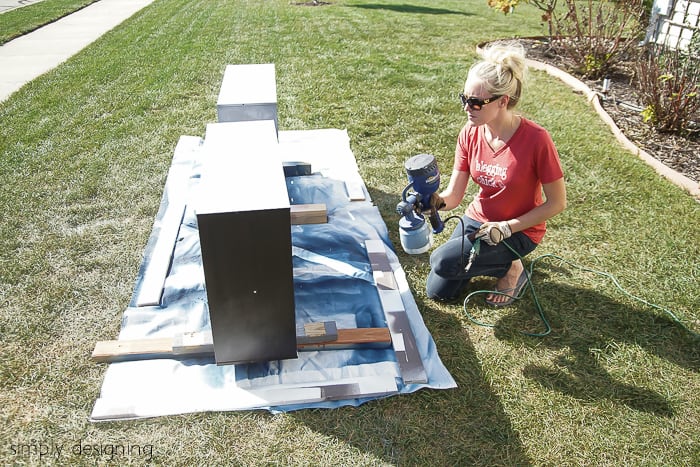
{"x":424,"y":180}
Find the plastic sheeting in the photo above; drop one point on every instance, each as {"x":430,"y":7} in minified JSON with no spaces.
{"x":332,"y":282}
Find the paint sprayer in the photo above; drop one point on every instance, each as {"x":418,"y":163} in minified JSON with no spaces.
{"x":423,"y":181}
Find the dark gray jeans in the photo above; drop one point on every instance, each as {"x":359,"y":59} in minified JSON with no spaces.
{"x":447,"y":262}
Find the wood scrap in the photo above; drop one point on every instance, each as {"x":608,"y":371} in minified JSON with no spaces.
{"x":201,"y":344}
{"x":311,"y":333}
{"x":402,"y":338}
{"x":308,"y":214}
{"x":355,"y":190}
{"x":172,"y":211}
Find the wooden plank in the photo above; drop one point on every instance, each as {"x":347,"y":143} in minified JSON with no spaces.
{"x":308,"y":214}
{"x":310,"y":333}
{"x":378,"y":260}
{"x":352,"y":338}
{"x":404,"y":342}
{"x":407,"y":354}
{"x":174,"y":203}
{"x":158,"y":266}
{"x":385,"y":280}
{"x":194,"y":344}
{"x":131,"y":349}
{"x":355,"y":190}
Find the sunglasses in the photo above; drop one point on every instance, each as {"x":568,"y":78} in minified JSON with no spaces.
{"x":475,"y":103}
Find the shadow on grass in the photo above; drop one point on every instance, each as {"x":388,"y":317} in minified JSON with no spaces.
{"x":463,"y":426}
{"x":404,"y":8}
{"x":591,"y":330}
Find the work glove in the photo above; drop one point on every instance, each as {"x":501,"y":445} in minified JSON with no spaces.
{"x":436,"y":203}
{"x":493,"y":232}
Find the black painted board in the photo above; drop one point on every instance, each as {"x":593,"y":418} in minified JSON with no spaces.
{"x":247,"y":260}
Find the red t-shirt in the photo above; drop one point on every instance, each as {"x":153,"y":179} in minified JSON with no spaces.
{"x":511,"y":178}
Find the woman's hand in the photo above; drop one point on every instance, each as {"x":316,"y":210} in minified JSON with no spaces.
{"x":493,"y":232}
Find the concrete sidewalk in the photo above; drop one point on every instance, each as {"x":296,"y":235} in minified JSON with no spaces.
{"x":7,"y":5}
{"x":31,"y":55}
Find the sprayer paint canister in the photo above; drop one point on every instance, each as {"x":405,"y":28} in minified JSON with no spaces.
{"x":416,"y":239}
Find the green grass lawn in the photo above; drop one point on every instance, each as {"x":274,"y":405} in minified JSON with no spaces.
{"x":20,"y":21}
{"x":84,"y":154}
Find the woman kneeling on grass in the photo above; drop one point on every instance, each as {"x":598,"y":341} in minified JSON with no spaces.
{"x":513,"y":160}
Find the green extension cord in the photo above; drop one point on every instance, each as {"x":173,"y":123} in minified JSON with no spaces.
{"x":548,"y":328}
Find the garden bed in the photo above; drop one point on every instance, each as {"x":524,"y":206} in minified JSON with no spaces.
{"x":680,"y":153}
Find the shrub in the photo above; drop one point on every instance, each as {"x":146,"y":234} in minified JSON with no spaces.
{"x":595,"y":35}
{"x":547,"y":8}
{"x":591,"y":35}
{"x":668,"y":86}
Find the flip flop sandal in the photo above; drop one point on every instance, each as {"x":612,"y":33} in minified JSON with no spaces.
{"x":513,"y":293}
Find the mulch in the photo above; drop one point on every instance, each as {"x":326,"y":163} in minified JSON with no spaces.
{"x":679,"y":152}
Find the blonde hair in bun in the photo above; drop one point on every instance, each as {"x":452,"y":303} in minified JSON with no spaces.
{"x":502,"y":70}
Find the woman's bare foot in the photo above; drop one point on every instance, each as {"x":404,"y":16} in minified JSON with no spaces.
{"x":507,"y":282}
